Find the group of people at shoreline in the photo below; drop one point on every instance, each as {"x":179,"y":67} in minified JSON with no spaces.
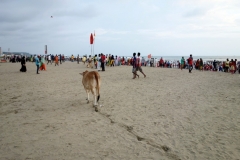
{"x":225,"y":66}
{"x":102,"y":60}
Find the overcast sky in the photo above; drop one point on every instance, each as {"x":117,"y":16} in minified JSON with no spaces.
{"x":157,"y":27}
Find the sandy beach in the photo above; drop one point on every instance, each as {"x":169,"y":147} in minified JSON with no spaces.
{"x":169,"y":115}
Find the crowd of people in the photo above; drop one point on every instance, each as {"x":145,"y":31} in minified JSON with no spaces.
{"x":101,"y":60}
{"x":232,"y":66}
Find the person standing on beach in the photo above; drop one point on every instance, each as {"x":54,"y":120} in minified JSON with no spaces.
{"x":235,"y":65}
{"x":56,"y":60}
{"x":60,"y":58}
{"x":99,"y":62}
{"x":37,"y":63}
{"x":227,"y":65}
{"x":78,"y":59}
{"x":49,"y":59}
{"x":201,"y":64}
{"x":103,"y":62}
{"x":52,"y":58}
{"x":190,"y":63}
{"x":182,"y":63}
{"x":23,"y":63}
{"x":138,"y":64}
{"x":134,"y":69}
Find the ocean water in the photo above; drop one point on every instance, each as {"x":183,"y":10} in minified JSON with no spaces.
{"x":204,"y":58}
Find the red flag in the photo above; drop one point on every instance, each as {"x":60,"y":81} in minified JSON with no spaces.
{"x":91,"y":39}
{"x":149,"y":56}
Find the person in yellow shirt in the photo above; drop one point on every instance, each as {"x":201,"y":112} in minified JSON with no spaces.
{"x":84,"y":59}
{"x":227,"y":65}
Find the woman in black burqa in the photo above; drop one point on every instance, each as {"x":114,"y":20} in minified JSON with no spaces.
{"x":23,"y":63}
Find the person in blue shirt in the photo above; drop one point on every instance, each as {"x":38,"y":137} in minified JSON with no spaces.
{"x":37,"y":63}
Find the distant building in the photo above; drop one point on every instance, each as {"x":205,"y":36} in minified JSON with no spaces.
{"x":17,"y":53}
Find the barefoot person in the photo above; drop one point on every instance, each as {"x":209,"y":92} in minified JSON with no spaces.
{"x":134,"y":69}
{"x":138,"y":64}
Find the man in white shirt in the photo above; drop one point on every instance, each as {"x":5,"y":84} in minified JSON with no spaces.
{"x":49,"y":59}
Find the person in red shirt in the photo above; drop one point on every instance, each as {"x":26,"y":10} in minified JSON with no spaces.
{"x":161,"y":62}
{"x":190,"y":63}
{"x":103,"y":61}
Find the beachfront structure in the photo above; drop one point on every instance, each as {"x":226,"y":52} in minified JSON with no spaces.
{"x":17,"y":53}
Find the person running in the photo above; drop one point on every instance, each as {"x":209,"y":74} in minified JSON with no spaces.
{"x":190,"y":63}
{"x":134,"y":69}
{"x":138,"y":64}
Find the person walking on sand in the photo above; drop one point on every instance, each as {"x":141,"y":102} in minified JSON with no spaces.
{"x":138,"y":64}
{"x":49,"y":59}
{"x":56,"y":60}
{"x":134,"y":69}
{"x":37,"y":63}
{"x":190,"y":63}
{"x":42,"y":66}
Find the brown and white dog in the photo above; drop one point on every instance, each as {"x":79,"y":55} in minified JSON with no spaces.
{"x":91,"y":82}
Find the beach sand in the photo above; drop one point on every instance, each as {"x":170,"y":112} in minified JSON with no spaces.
{"x":168,"y":115}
